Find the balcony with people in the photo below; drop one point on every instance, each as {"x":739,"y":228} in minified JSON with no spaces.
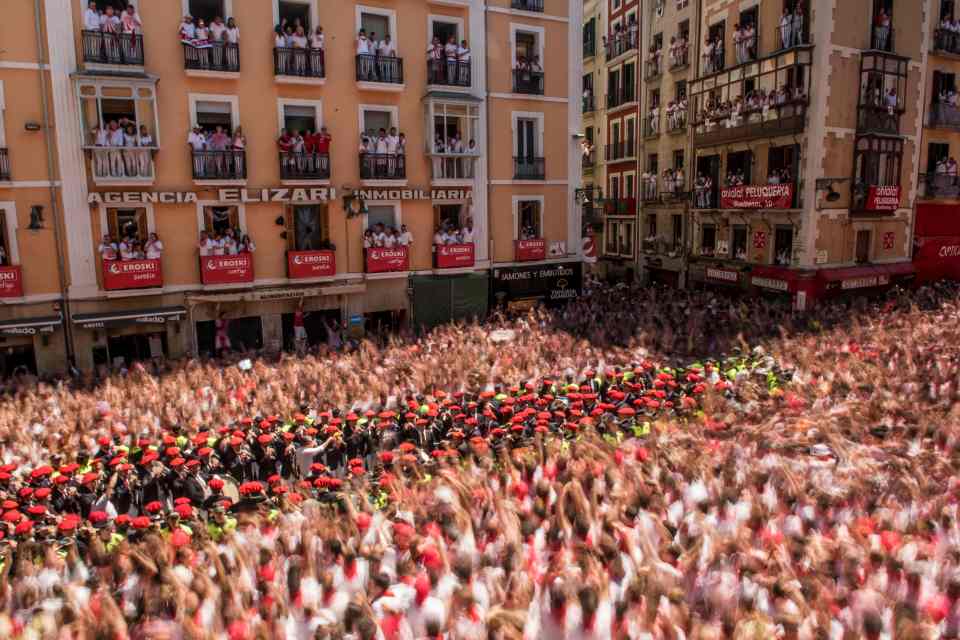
{"x":742,"y":191}
{"x":210,"y":49}
{"x":131,"y":256}
{"x":453,"y":150}
{"x":945,"y":106}
{"x":679,"y":52}
{"x":377,"y":64}
{"x":757,"y":101}
{"x":298,"y":58}
{"x":304,"y":155}
{"x":112,"y":36}
{"x":218,"y":154}
{"x":946,"y":38}
{"x":386,"y":245}
{"x":310,"y":252}
{"x":449,"y":64}
{"x":706,"y":184}
{"x":673,"y":184}
{"x":119,"y":125}
{"x":653,"y":65}
{"x":453,"y":237}
{"x":527,"y":5}
{"x":882,"y":31}
{"x":4,"y":164}
{"x":529,"y":244}
{"x":383,"y":154}
{"x":881,"y":104}
{"x":649,"y":189}
{"x":793,"y":29}
{"x":676,"y":112}
{"x":623,"y":39}
{"x":225,"y":251}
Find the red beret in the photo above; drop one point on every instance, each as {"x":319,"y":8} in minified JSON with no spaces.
{"x":182,"y":500}
{"x":154,"y":507}
{"x":215,"y":483}
{"x":23,"y":528}
{"x":98,"y":516}
{"x":141,"y":522}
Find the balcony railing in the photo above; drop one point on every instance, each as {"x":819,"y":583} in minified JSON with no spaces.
{"x":946,"y":41}
{"x":527,"y":5}
{"x":677,"y":121}
{"x":945,"y":115}
{"x":622,"y":149}
{"x":230,"y":164}
{"x":304,"y":166}
{"x":530,"y":82}
{"x":881,"y":38}
{"x":223,"y":57}
{"x":654,"y":68}
{"x":300,"y":63}
{"x":383,"y":166}
{"x":387,"y":70}
{"x":113,"y":48}
{"x":453,"y":166}
{"x":4,"y":164}
{"x":939,"y":185}
{"x":621,"y":96}
{"x":879,"y":119}
{"x":122,"y":163}
{"x":529,"y":168}
{"x":680,"y":59}
{"x":704,"y":197}
{"x":589,"y":48}
{"x":791,"y":36}
{"x":448,"y":73}
{"x":782,"y":119}
{"x":673,"y":188}
{"x":714,"y":62}
{"x":588,"y":104}
{"x":620,"y":206}
{"x":746,"y":50}
{"x":649,"y":191}
{"x":619,"y":43}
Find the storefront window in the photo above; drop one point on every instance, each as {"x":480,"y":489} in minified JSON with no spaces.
{"x":308,"y":228}
{"x":783,"y":246}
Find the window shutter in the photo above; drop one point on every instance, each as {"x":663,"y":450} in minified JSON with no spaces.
{"x":323,"y":213}
{"x":112,"y":224}
{"x":290,"y":227}
{"x":142,"y":232}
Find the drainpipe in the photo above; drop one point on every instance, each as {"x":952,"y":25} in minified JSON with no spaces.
{"x":486,"y":88}
{"x":58,"y":233}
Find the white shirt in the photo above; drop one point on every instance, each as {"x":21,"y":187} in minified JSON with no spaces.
{"x":387,"y":49}
{"x":300,"y":42}
{"x":145,"y":141}
{"x":108,"y":250}
{"x":463,"y":54}
{"x":91,"y":20}
{"x":233,"y":35}
{"x":154,"y":249}
{"x":406,"y":239}
{"x":196,"y":140}
{"x":116,"y":138}
{"x":379,"y":239}
{"x":110,"y":23}
{"x":217,"y":30}
{"x":363,"y":47}
{"x":467,"y":235}
{"x":102,"y":137}
{"x":316,"y":41}
{"x":280,"y":42}
{"x":392,"y":142}
{"x":206,"y":247}
{"x":390,"y":241}
{"x":381,"y":145}
{"x":450,"y":50}
{"x":188,"y":31}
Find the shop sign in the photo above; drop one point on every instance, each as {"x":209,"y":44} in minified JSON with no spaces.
{"x":757,"y":196}
{"x":226,"y":269}
{"x":723,"y":275}
{"x":11,"y":282}
{"x":770,"y":283}
{"x":383,"y":260}
{"x":530,"y":250}
{"x":883,"y":199}
{"x":451,"y":256}
{"x":132,"y":274}
{"x":938,"y":257}
{"x":865,"y":282}
{"x":553,"y":282}
{"x":311,"y":264}
{"x":284,"y":195}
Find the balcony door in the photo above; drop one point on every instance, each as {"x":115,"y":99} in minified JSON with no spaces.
{"x":207,"y":9}
{"x":527,"y":138}
{"x":295,"y":12}
{"x":299,"y":118}
{"x":308,"y":228}
{"x":382,"y":214}
{"x":212,"y":114}
{"x":375,"y":25}
{"x":863,"y":246}
{"x":374,"y":121}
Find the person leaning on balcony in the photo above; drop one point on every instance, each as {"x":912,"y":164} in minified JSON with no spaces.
{"x":633,"y":32}
{"x":131,"y":21}
{"x":749,"y":42}
{"x":131,"y":158}
{"x":405,"y":239}
{"x":466,"y":233}
{"x":246,"y":245}
{"x":91,"y":17}
{"x":365,"y":65}
{"x":153,"y":249}
{"x":217,"y":29}
{"x":708,"y":49}
{"x":450,"y":53}
{"x":786,"y":28}
{"x":115,"y":140}
{"x":317,"y":39}
{"x":107,"y":248}
{"x":110,"y":26}
{"x":300,"y":43}
{"x":205,"y":245}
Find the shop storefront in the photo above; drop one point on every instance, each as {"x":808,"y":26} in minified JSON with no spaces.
{"x":120,"y":338}
{"x":440,"y":299}
{"x":20,"y":340}
{"x":793,"y":286}
{"x":864,"y":280}
{"x":550,"y":284}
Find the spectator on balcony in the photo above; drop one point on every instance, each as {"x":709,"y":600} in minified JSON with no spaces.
{"x":116,"y":140}
{"x":633,"y":32}
{"x":703,"y":191}
{"x":205,"y":245}
{"x":300,"y":43}
{"x":709,"y":49}
{"x":527,"y":232}
{"x":130,"y":20}
{"x":217,"y":29}
{"x":881,"y":30}
{"x":246,"y":245}
{"x":317,"y":39}
{"x":131,"y":157}
{"x":111,"y":26}
{"x":91,"y":17}
{"x":735,"y":178}
{"x":653,"y":119}
{"x":364,"y":50}
{"x":535,"y":66}
{"x":450,"y":54}
{"x":107,"y":248}
{"x":739,"y":45}
{"x":653,"y":60}
{"x":145,"y":141}
{"x":463,"y":52}
{"x":153,"y":249}
{"x":405,"y":238}
{"x":786,"y":28}
{"x":368,"y":241}
{"x":188,"y":30}
{"x":391,"y":239}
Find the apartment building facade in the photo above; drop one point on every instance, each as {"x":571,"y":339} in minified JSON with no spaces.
{"x":465,"y":168}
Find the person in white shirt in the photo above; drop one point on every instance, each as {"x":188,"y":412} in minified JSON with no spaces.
{"x":187,"y":29}
{"x":131,"y":158}
{"x":363,"y":49}
{"x":406,"y":238}
{"x":438,"y":236}
{"x":126,"y":249}
{"x":216,"y":245}
{"x":107,"y":248}
{"x":390,"y":239}
{"x":205,"y":245}
{"x":110,"y":26}
{"x":300,"y":43}
{"x":154,"y":247}
{"x":144,"y":140}
{"x":101,"y":157}
{"x":379,"y":235}
{"x":115,"y":140}
{"x":91,"y":18}
{"x":217,"y":29}
{"x":466,"y":234}
{"x":380,"y":149}
{"x":233,"y":31}
{"x":317,"y":39}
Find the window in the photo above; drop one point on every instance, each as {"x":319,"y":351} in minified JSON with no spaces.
{"x":527,"y":49}
{"x":707,"y":182}
{"x":680,"y":90}
{"x":218,"y":220}
{"x":450,"y":121}
{"x":127,"y":223}
{"x":377,"y":25}
{"x":308,"y":228}
{"x":878,"y":161}
{"x":651,"y":225}
{"x":629,"y":187}
{"x":207,"y":9}
{"x":715,"y":61}
{"x":677,"y":230}
{"x":529,"y":221}
{"x":376,"y":119}
{"x":210,"y":114}
{"x":946,"y":9}
{"x":862,"y":247}
{"x":738,"y":247}
{"x":658,"y":42}
{"x":739,"y":168}
{"x":682,"y":4}
{"x":783,"y":164}
{"x":445,"y":29}
{"x":708,"y":239}
{"x":110,"y":104}
{"x":629,"y":80}
{"x":528,"y":138}
{"x":653,"y":164}
{"x":385,"y":215}
{"x":936,"y":152}
{"x":626,"y":239}
{"x":678,"y":159}
{"x":300,"y":117}
{"x":615,"y":187}
{"x":683,"y":30}
{"x":589,"y":37}
{"x":943,"y":83}
{"x":749,"y":35}
{"x":783,"y":245}
{"x":588,"y":135}
{"x":655,"y":98}
{"x":295,"y":12}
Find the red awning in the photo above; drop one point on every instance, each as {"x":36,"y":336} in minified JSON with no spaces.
{"x":849,"y":273}
{"x":900,"y":269}
{"x":877,"y":275}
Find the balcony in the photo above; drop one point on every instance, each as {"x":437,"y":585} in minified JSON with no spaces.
{"x":121,"y":49}
{"x":677,"y":121}
{"x":879,"y":119}
{"x":378,"y":72}
{"x":220,"y":166}
{"x":453,"y":167}
{"x":383,"y":166}
{"x":122,"y":165}
{"x":621,"y":96}
{"x":746,"y":50}
{"x":673,"y":188}
{"x":945,"y":115}
{"x":945,"y":41}
{"x":448,"y":73}
{"x":11,"y":281}
{"x":620,"y":207}
{"x":386,"y":260}
{"x":704,"y":196}
{"x":653,"y":68}
{"x":680,"y":59}
{"x":527,"y":5}
{"x":939,"y":185}
{"x":529,"y":168}
{"x":621,"y":42}
{"x":714,"y":62}
{"x":649,"y":191}
{"x":588,"y":106}
{"x":528,"y":82}
{"x":311,"y":264}
{"x":220,"y":270}
{"x":621,"y":150}
{"x":123,"y":275}
{"x":779,"y":120}
{"x":304,"y":166}
{"x":530,"y":250}
{"x":453,"y":256}
{"x":790,"y":36}
{"x":4,"y":165}
{"x":295,"y":65}
{"x":881,"y":39}
{"x":651,"y":126}
{"x":213,"y":59}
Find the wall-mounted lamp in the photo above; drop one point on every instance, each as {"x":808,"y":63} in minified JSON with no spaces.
{"x":36,"y":217}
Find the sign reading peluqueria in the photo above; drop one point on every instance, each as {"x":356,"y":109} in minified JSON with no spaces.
{"x":275,"y":194}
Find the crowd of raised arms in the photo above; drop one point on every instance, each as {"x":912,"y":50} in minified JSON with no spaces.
{"x":626,"y":466}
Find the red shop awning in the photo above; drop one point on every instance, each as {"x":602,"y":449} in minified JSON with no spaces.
{"x":866,"y":277}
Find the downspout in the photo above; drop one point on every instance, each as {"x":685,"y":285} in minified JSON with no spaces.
{"x":486,"y":90}
{"x":54,"y":204}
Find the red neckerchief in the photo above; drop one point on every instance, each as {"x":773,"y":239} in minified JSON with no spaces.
{"x":350,"y":569}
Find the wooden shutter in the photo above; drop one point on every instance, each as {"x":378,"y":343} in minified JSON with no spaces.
{"x":323,"y":219}
{"x":112,"y":227}
{"x":290,"y":227}
{"x":142,"y":232}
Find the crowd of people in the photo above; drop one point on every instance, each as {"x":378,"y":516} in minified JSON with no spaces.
{"x":452,"y":232}
{"x":130,"y":247}
{"x":224,"y":241}
{"x":679,"y":50}
{"x":683,"y":466}
{"x":745,"y":42}
{"x":793,"y":26}
{"x":298,"y":52}
{"x":703,"y":191}
{"x":758,"y":106}
{"x":376,"y":58}
{"x":213,"y":46}
{"x":305,"y":152}
{"x":211,"y":147}
{"x":383,"y":153}
{"x":448,"y":63}
{"x":121,"y":149}
{"x":387,"y":236}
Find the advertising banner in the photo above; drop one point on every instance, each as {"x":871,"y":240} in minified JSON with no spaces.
{"x":757,"y":196}
{"x":226,"y":269}
{"x":530,"y":250}
{"x":883,"y":199}
{"x":451,"y":256}
{"x":549,"y":282}
{"x":132,"y":274}
{"x":11,"y":282}
{"x":723,"y":275}
{"x":383,"y":260}
{"x":311,"y":264}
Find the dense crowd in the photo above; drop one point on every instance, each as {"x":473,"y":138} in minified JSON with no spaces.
{"x":641,"y":463}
